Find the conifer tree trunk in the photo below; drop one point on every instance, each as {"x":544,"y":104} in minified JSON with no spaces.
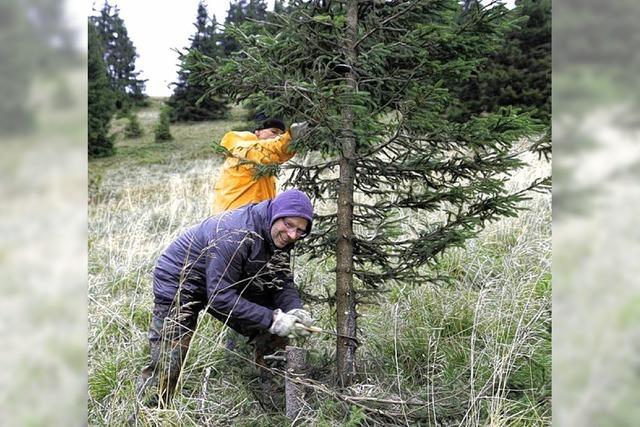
{"x":345,"y":296}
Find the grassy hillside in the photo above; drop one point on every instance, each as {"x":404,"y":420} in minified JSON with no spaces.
{"x":191,"y":142}
{"x":474,"y":352}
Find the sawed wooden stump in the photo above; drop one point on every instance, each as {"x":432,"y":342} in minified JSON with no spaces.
{"x":296,"y":358}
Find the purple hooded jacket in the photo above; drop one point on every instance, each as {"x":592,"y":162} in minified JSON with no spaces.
{"x":229,"y":262}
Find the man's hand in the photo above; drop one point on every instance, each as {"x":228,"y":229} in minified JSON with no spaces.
{"x":284,"y":325}
{"x":303,"y":316}
{"x":298,"y":129}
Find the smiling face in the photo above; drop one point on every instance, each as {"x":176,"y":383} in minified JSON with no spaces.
{"x":287,"y":230}
{"x":268,"y":133}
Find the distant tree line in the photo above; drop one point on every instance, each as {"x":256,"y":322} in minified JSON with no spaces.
{"x":115,"y":85}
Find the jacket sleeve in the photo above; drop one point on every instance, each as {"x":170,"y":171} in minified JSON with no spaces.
{"x":270,"y":151}
{"x":286,"y":296}
{"x":224,"y":268}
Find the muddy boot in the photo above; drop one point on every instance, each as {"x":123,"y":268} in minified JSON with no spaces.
{"x":147,"y":383}
{"x":271,"y":385}
{"x":169,"y":337}
{"x":147,"y":388}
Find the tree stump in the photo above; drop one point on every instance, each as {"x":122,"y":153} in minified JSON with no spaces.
{"x":294,"y":392}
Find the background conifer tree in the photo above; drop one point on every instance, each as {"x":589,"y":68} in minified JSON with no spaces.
{"x":279,"y":7}
{"x":235,"y":16}
{"x":101,"y":100}
{"x":133,"y":128}
{"x":188,"y":101}
{"x":400,"y":181}
{"x":256,"y":9}
{"x":120,"y":57}
{"x":250,"y":17}
{"x":162,"y":130}
{"x":241,"y":13}
{"x":518,"y":73}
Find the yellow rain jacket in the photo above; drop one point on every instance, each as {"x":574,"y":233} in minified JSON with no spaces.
{"x":237,"y":184}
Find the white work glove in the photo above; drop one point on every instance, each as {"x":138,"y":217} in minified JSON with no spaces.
{"x":298,"y":129}
{"x":303,"y":316}
{"x":284,"y":325}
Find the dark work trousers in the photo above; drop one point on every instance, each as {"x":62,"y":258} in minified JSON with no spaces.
{"x":170,"y":333}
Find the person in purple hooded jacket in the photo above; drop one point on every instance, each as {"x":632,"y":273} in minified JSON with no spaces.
{"x":236,"y":266}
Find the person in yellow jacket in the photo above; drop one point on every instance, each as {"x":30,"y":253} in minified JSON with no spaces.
{"x":238,"y":184}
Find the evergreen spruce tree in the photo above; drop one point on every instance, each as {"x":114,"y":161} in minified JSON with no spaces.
{"x":162,"y":130}
{"x":242,"y":13}
{"x":279,"y":7}
{"x":189,"y":100}
{"x":250,"y":17}
{"x":235,"y":16}
{"x":133,"y":128}
{"x":120,"y":57}
{"x":519,"y":73}
{"x":257,"y":10}
{"x":101,"y":100}
{"x":400,"y":181}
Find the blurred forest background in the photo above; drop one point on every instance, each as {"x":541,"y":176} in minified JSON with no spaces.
{"x":43,"y":169}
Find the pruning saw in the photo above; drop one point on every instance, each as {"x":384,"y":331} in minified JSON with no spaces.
{"x":317,"y":329}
